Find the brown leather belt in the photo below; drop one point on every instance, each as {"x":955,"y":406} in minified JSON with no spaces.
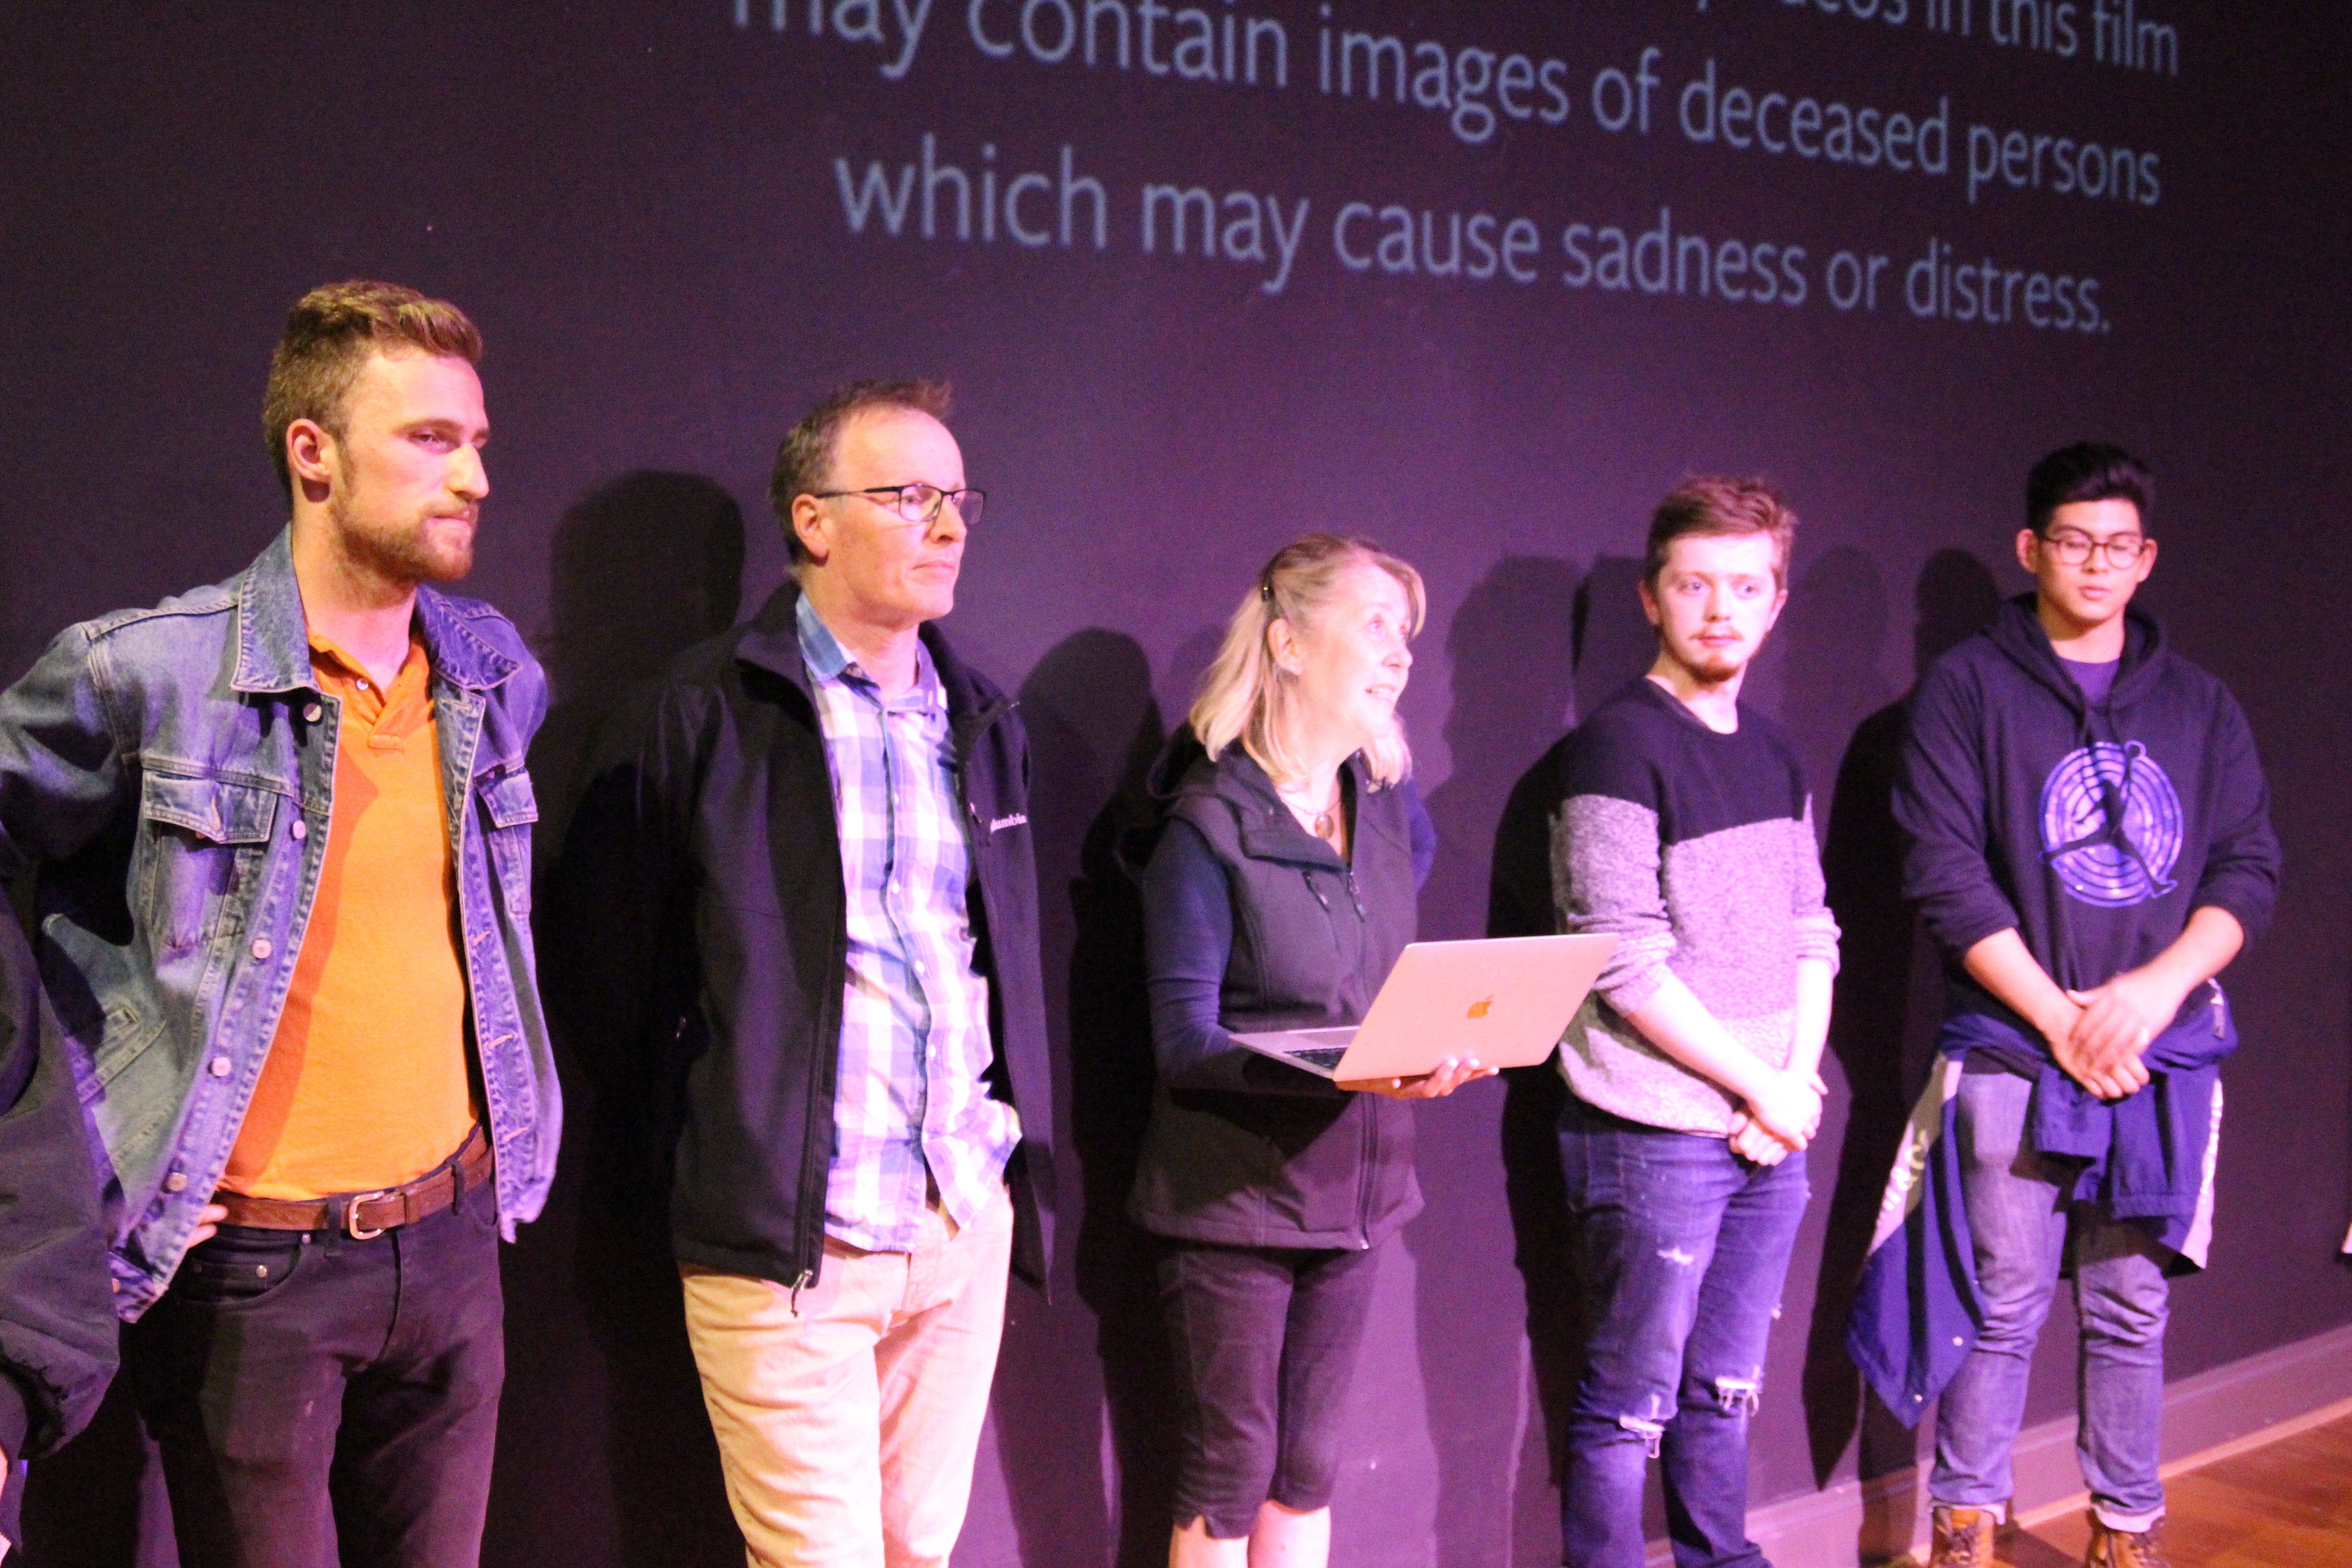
{"x":366,"y":1215}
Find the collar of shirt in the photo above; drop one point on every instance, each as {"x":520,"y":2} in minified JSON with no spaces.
{"x":829,"y":661}
{"x":390,"y":715}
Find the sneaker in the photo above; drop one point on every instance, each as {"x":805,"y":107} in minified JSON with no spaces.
{"x":1963,"y":1538}
{"x":2123,"y":1548}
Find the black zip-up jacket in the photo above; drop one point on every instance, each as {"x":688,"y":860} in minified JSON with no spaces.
{"x":1252,"y":922}
{"x":704,"y":931}
{"x":57,"y":1308}
{"x":2094,"y":831}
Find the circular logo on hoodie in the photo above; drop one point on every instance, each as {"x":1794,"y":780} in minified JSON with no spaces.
{"x":2111,"y":824}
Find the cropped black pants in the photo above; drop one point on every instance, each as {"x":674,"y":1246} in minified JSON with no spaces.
{"x":1266,"y":1341}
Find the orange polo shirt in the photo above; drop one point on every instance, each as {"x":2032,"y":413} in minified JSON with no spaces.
{"x":367,"y":1084}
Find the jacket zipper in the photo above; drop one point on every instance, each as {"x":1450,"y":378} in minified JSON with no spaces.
{"x":1372,"y":1112}
{"x":816,"y":1132}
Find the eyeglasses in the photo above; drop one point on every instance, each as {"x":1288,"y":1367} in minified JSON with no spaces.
{"x":918,"y":503}
{"x":2123,"y":550}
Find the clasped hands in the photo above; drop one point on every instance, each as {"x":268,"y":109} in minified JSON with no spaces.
{"x":2099,"y":1035}
{"x":1779,"y":1118}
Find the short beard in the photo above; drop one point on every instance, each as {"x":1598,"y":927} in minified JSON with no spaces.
{"x":403,"y":556}
{"x":1709,"y":668}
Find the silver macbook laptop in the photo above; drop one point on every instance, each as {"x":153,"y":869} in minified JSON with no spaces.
{"x":1505,"y":1000}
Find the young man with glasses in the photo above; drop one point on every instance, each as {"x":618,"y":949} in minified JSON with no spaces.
{"x":813,"y":877}
{"x":2091,"y":844}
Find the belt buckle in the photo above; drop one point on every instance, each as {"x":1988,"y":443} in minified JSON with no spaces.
{"x":351,"y":1215}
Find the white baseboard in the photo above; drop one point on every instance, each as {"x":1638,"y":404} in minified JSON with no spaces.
{"x":2207,"y":1417}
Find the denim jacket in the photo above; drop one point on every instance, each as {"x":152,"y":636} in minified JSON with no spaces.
{"x":172,"y":771}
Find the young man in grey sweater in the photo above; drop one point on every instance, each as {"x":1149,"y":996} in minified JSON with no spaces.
{"x":1685,"y":831}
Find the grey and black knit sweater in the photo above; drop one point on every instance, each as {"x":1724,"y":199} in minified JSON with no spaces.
{"x":1696,"y":850}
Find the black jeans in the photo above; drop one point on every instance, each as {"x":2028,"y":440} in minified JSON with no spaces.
{"x":1266,"y":1341}
{"x":321,"y":1401}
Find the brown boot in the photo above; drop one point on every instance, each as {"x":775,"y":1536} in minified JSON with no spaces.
{"x":2123,"y":1548}
{"x":1963,"y":1538}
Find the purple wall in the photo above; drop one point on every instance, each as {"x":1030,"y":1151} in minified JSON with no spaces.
{"x":643,"y":205}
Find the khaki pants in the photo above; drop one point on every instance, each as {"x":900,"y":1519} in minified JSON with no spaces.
{"x":848,"y":1432}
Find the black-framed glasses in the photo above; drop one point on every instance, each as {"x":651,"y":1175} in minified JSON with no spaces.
{"x":918,"y":503}
{"x":2122,"y":550}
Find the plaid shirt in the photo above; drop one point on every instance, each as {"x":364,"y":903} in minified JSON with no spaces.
{"x":911,"y":1110}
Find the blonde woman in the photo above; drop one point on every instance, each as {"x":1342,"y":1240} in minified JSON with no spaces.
{"x":1279,"y":893}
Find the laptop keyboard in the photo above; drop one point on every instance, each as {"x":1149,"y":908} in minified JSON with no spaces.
{"x":1325,"y":1056}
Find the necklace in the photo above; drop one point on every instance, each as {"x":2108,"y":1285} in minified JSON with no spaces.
{"x":1323,"y":823}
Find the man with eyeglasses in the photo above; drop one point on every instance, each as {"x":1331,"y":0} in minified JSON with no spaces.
{"x":812,"y":879}
{"x":2091,"y":844}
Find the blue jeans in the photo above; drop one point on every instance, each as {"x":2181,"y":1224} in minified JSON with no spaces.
{"x":1684,"y":1248}
{"x":2019,"y":1217}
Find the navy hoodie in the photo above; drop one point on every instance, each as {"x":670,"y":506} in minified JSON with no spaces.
{"x":2094,"y":831}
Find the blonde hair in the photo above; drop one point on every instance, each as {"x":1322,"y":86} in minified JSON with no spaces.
{"x":1244,"y":695}
{"x":330,"y":335}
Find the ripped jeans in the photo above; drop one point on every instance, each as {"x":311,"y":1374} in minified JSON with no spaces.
{"x":1683,"y":1248}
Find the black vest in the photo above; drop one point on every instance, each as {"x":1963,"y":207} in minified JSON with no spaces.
{"x":1313,"y":937}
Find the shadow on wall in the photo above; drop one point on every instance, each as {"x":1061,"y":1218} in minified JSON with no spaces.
{"x":1094,"y":728}
{"x":1834,"y":692}
{"x":1511,"y":650}
{"x":605,"y":1452}
{"x":1614,"y":641}
{"x":639,"y":569}
{"x":1179,"y":678}
{"x":1888,"y":1004}
{"x":1611,"y":642}
{"x":1832,"y":633}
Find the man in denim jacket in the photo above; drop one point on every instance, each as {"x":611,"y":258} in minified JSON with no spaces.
{"x":283,"y":832}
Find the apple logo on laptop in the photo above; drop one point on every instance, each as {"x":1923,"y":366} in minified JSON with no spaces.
{"x":1480,"y":1009}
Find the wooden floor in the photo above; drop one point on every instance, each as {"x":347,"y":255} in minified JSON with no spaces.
{"x":2287,"y":1504}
